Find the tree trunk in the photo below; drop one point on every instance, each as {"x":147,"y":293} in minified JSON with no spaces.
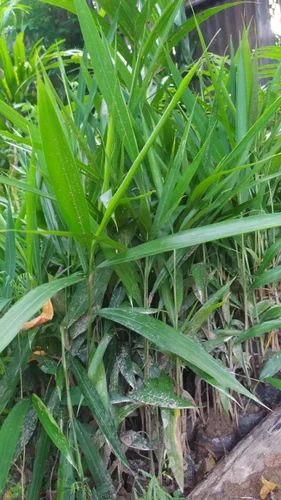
{"x":238,"y":476}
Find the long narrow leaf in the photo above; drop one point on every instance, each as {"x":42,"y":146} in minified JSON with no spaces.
{"x":97,"y":408}
{"x":9,"y":435}
{"x":197,"y":236}
{"x":101,"y":477}
{"x":27,"y":306}
{"x":106,"y":75}
{"x":52,"y":429}
{"x":42,"y":451}
{"x":168,"y":339}
{"x":62,"y":168}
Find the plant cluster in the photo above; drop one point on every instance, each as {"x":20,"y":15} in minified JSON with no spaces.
{"x":140,"y":210}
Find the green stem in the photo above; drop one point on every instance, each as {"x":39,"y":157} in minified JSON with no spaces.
{"x":69,"y":405}
{"x":108,"y":155}
{"x":90,"y":298}
{"x":142,"y":154}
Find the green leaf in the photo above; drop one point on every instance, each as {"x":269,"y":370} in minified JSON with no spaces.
{"x":79,"y":302}
{"x":191,"y":23}
{"x":106,"y":75}
{"x":276,"y":382}
{"x":269,"y":255}
{"x":63,"y":170}
{"x":13,"y":371}
{"x":64,"y":4}
{"x":9,"y":436}
{"x":258,"y":330}
{"x":148,"y":144}
{"x":159,"y":392}
{"x":14,"y":117}
{"x":100,"y":475}
{"x":267,"y":277}
{"x":173,"y":443}
{"x":52,"y":429}
{"x":10,"y":255}
{"x":39,"y":467}
{"x":27,"y":306}
{"x":272,"y":313}
{"x":65,"y":489}
{"x":167,"y":339}
{"x":199,"y":235}
{"x":7,"y":181}
{"x":272,"y":366}
{"x":97,"y":408}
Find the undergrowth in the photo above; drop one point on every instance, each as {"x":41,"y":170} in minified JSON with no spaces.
{"x":140,"y":210}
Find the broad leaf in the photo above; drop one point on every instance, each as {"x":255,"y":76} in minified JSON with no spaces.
{"x":168,"y":339}
{"x":159,"y":392}
{"x":63,"y":170}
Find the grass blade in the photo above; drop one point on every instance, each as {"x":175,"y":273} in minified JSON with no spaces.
{"x":42,"y":452}
{"x":258,"y":330}
{"x":10,"y":379}
{"x":10,"y":254}
{"x":97,"y":408}
{"x":272,"y":366}
{"x":142,"y":154}
{"x":9,"y":435}
{"x":101,"y":477}
{"x":65,"y":483}
{"x":268,"y":277}
{"x":191,"y":23}
{"x":197,"y":236}
{"x":106,"y":75}
{"x":52,"y":429}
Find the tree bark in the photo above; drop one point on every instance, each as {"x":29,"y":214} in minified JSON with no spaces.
{"x":238,"y":476}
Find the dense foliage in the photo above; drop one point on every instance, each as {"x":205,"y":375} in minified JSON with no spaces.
{"x":140,"y":203}
{"x":50,"y":24}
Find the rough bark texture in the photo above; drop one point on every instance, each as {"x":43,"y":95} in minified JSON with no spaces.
{"x":238,"y":476}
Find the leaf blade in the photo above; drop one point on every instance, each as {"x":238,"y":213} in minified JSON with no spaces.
{"x":197,"y":236}
{"x":27,"y":306}
{"x":168,"y":339}
{"x":62,"y":167}
{"x":9,"y":435}
{"x":97,"y":408}
{"x":52,"y":429}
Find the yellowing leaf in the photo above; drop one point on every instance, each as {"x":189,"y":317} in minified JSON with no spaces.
{"x":267,"y":487}
{"x":210,"y":463}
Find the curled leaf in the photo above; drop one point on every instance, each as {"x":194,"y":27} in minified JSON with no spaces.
{"x":45,"y":316}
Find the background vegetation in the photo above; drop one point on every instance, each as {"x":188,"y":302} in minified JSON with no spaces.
{"x":141,"y":195}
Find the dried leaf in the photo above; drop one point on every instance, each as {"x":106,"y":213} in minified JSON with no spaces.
{"x":267,"y":487}
{"x":46,"y":315}
{"x":210,"y":463}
